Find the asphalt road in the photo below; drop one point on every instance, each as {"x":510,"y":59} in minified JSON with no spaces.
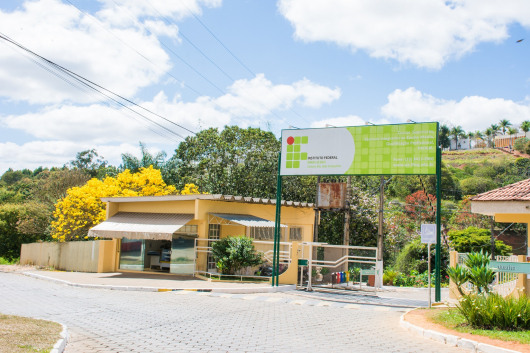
{"x":101,"y":320}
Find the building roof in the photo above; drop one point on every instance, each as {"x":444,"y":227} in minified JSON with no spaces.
{"x":514,"y":192}
{"x":212,"y":197}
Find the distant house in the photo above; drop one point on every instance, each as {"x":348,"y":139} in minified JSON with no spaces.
{"x":463,"y":144}
{"x":507,"y":140}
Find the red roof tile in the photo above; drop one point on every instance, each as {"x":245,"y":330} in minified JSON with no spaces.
{"x":514,"y":192}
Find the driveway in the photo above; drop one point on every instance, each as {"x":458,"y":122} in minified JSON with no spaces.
{"x":101,"y":320}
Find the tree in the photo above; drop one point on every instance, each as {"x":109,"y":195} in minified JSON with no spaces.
{"x":443,"y":139}
{"x":168,"y":168}
{"x":489,"y":135}
{"x":525,"y":126}
{"x":10,"y":238}
{"x":89,"y":161}
{"x":503,"y":125}
{"x":10,"y":177}
{"x":474,"y":239}
{"x":235,"y":253}
{"x":476,"y":185}
{"x":40,"y":205}
{"x":82,"y":208}
{"x":512,"y":131}
{"x":457,"y":132}
{"x":464,"y":218}
{"x":478,"y":136}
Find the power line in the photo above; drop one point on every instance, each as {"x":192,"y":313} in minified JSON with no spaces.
{"x":166,"y":72}
{"x":184,"y":61}
{"x":57,"y":67}
{"x":245,"y":66}
{"x":210,"y":60}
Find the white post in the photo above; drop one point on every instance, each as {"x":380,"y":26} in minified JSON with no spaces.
{"x":309,"y":269}
{"x":429,"y":271}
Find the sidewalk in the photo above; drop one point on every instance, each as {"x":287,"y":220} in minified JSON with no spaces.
{"x":150,"y":282}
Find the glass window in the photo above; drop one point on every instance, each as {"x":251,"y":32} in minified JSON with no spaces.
{"x":262,"y":233}
{"x":295,"y":233}
{"x":183,"y":254}
{"x":213,"y":232}
{"x":189,"y":229}
{"x":132,"y":254}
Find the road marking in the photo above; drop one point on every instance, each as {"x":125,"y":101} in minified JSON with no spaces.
{"x":273,"y":300}
{"x":351,"y":306}
{"x":298,"y":302}
{"x":324,"y":304}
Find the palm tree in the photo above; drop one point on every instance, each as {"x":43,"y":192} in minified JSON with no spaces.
{"x":470,"y":135}
{"x":456,"y":132}
{"x":478,"y":135}
{"x":512,"y":131}
{"x":525,"y":126}
{"x":444,"y":140}
{"x":489,"y":134}
{"x":495,"y":130}
{"x":503,"y":124}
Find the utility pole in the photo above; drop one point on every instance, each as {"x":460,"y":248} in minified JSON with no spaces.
{"x":347,"y":221}
{"x":317,"y":213}
{"x":379,"y":262}
{"x":492,"y":239}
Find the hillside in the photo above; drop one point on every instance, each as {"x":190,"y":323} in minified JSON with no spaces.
{"x":459,"y":159}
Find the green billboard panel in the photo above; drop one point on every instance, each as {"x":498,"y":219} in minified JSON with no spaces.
{"x":360,"y":150}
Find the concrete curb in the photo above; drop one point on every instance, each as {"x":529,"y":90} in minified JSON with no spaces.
{"x":282,"y":288}
{"x":60,"y":345}
{"x":453,"y":341}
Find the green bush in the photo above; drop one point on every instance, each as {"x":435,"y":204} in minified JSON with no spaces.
{"x":413,"y":257}
{"x":459,"y":275}
{"x":235,"y":253}
{"x":492,"y":311}
{"x":389,"y":276}
{"x":476,"y":185}
{"x":475,"y":239}
{"x":520,"y":144}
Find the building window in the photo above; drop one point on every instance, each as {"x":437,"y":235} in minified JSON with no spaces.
{"x":295,"y":233}
{"x":262,"y":233}
{"x":213,"y":232}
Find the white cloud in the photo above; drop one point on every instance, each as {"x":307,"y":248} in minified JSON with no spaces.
{"x":34,"y":154}
{"x":350,"y":120}
{"x":424,"y":33}
{"x":99,"y":124}
{"x":61,"y":33}
{"x":472,"y":112}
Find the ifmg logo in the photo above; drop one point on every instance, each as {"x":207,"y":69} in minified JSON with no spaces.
{"x":294,"y":151}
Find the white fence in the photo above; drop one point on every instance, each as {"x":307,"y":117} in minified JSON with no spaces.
{"x":504,"y":282}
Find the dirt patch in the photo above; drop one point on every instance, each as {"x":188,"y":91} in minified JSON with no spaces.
{"x":418,"y":318}
{"x":22,"y":334}
{"x":16,"y":268}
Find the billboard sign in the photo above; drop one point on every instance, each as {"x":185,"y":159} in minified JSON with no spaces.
{"x":360,"y":150}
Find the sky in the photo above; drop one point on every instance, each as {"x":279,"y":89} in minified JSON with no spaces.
{"x":211,"y":63}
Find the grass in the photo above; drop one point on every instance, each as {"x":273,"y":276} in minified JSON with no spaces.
{"x":23,"y":335}
{"x":457,"y":158}
{"x":453,"y":320}
{"x":4,"y":261}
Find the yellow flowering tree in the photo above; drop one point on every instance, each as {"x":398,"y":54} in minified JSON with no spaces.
{"x":82,"y":208}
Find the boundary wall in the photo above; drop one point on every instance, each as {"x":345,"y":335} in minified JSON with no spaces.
{"x":82,"y":256}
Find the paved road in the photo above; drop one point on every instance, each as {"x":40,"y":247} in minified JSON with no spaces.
{"x":102,"y":320}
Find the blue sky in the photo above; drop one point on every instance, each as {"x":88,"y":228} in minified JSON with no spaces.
{"x":340,"y":62}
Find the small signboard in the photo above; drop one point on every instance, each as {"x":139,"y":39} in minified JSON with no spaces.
{"x":303,"y":262}
{"x":368,"y":272}
{"x":428,"y":233}
{"x":510,"y":267}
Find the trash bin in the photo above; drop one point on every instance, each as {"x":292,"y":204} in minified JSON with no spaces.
{"x":371,"y":280}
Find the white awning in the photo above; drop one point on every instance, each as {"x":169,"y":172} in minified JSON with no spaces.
{"x":136,"y":225}
{"x":241,"y":219}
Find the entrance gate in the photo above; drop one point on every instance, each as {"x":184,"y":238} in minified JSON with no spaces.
{"x":337,"y":258}
{"x":399,"y":149}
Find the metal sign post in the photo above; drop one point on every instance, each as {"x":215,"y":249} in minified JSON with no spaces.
{"x":429,"y":235}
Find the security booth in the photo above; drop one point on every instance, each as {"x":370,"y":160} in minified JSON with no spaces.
{"x":174,"y":233}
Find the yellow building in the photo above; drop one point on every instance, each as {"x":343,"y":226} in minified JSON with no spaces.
{"x":174,"y":233}
{"x":508,"y":204}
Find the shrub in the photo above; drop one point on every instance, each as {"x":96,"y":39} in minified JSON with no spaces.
{"x":476,"y":185}
{"x":235,"y":253}
{"x":389,"y":276}
{"x":520,"y":144}
{"x":473,"y":238}
{"x":492,"y":311}
{"x":413,"y":257}
{"x":459,"y":275}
